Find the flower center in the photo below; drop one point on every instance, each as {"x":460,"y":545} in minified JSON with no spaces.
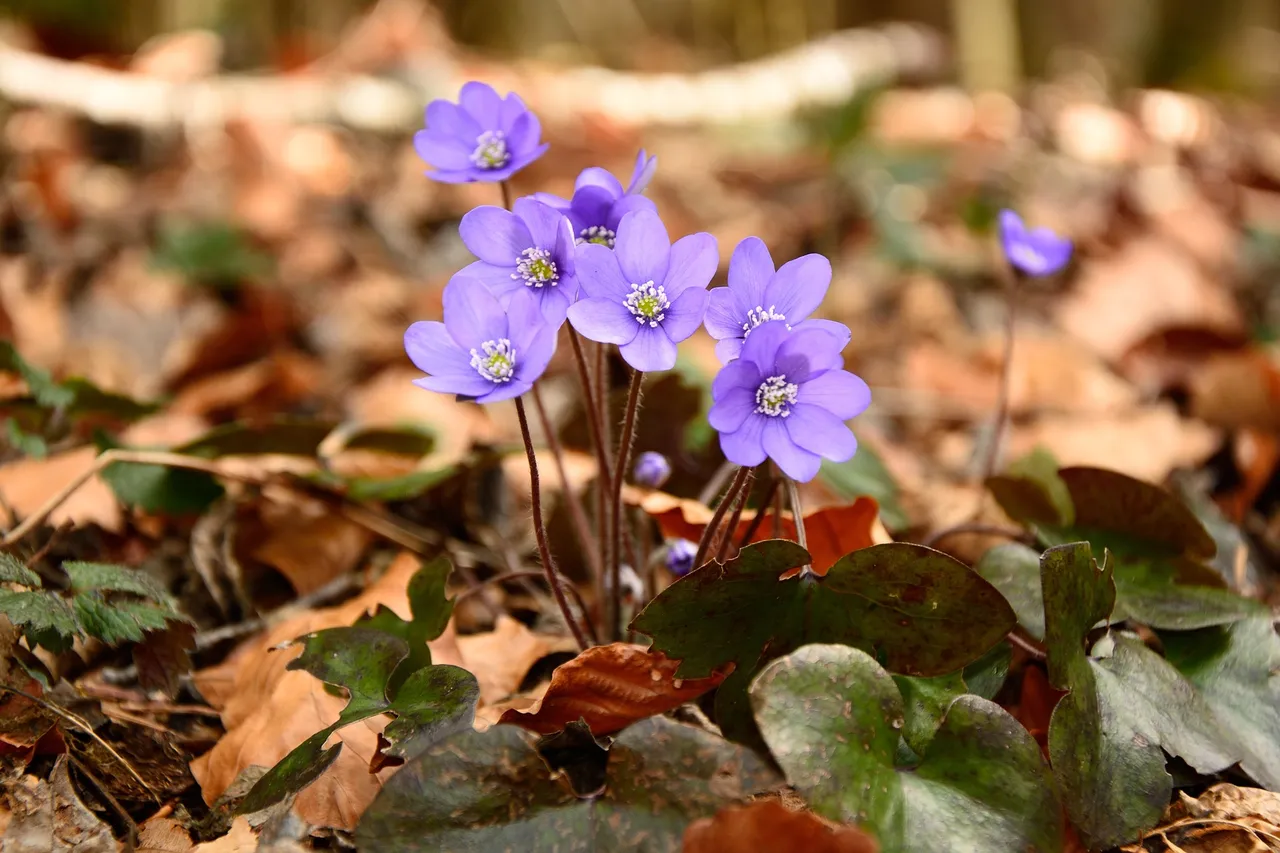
{"x":535,"y":268}
{"x":775,"y":396}
{"x":491,"y":150}
{"x":1025,"y":257}
{"x":496,"y":361}
{"x":758,"y":316}
{"x":597,"y":234}
{"x":648,"y":304}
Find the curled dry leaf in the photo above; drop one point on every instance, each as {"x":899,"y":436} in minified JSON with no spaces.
{"x":767,"y":826}
{"x":241,"y":839}
{"x":307,"y":543}
{"x":832,"y":531}
{"x":611,"y":687}
{"x":501,"y":658}
{"x":1223,"y":818}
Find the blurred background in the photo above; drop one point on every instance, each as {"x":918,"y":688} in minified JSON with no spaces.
{"x":214,"y":204}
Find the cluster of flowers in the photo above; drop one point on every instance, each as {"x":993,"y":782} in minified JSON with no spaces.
{"x":604,"y":262}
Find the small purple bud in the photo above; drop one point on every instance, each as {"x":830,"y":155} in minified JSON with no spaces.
{"x":652,"y":470}
{"x":680,"y":555}
{"x":1034,"y":251}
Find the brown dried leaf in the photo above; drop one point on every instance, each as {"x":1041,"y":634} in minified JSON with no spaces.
{"x":610,"y":687}
{"x":500,"y":658}
{"x":1224,"y":819}
{"x":163,"y":835}
{"x":241,"y":839}
{"x":767,"y":826}
{"x":308,"y":543}
{"x":1238,"y":390}
{"x":50,"y":818}
{"x":26,"y":484}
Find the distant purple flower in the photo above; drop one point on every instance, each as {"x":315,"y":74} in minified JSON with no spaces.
{"x":757,"y":294}
{"x":680,"y":556}
{"x":787,"y":398}
{"x":652,"y":469}
{"x":480,"y":351}
{"x":528,"y":249}
{"x":483,"y":137}
{"x":1036,"y":251}
{"x":599,"y":202}
{"x":646,"y":295}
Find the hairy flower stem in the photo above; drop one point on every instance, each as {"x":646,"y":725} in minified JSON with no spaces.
{"x":797,"y":513}
{"x":581,"y":527}
{"x":704,"y":544}
{"x":540,"y":531}
{"x":615,"y":508}
{"x":1002,"y":398}
{"x":763,"y":509}
{"x":725,"y":537}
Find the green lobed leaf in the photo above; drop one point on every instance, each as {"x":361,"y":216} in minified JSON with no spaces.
{"x":925,"y":702}
{"x":430,"y":611}
{"x":45,"y":617}
{"x":106,"y":576}
{"x":13,"y":570}
{"x":160,"y":488}
{"x":43,"y":388}
{"x":28,"y":444}
{"x":304,"y":764}
{"x":89,"y":399}
{"x":407,"y":487}
{"x":1014,"y":569}
{"x":1031,"y":490}
{"x":483,"y":791}
{"x":866,"y":474}
{"x":1237,"y":670}
{"x":1125,"y":704}
{"x":920,"y":611}
{"x":434,"y":703}
{"x":832,"y":716}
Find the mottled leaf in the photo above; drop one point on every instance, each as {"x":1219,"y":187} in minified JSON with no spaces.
{"x":1014,"y":569}
{"x":434,"y":703}
{"x":920,"y":611}
{"x":1030,"y":489}
{"x":924,"y":703}
{"x":1237,"y":670}
{"x":44,"y":617}
{"x":485,"y":791}
{"x":430,"y":611}
{"x":13,"y":570}
{"x":832,"y":717}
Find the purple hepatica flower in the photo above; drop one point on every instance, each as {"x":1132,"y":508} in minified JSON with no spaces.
{"x":480,"y":351}
{"x":757,"y":295}
{"x":483,"y":137}
{"x":652,"y":469}
{"x":1035,"y":251}
{"x":599,"y":202}
{"x":787,"y":398}
{"x":528,"y":249}
{"x":680,"y":554}
{"x":646,"y":295}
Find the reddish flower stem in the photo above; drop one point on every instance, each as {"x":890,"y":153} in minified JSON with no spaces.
{"x":578,"y":515}
{"x":1002,"y":399}
{"x":540,"y":532}
{"x":704,"y":544}
{"x":615,"y":509}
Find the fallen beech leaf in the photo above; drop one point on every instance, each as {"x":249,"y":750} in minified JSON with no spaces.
{"x":50,"y":816}
{"x":832,"y":531}
{"x":1238,"y":390}
{"x":268,"y":711}
{"x":611,"y":687}
{"x":27,"y":484}
{"x":1224,"y":818}
{"x":767,"y":826}
{"x":500,"y":658}
{"x":163,"y":835}
{"x":308,"y":543}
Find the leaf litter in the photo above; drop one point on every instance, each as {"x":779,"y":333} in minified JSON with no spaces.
{"x":255,"y":338}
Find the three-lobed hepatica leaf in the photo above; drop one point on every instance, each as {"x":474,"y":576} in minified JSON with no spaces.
{"x":921,"y":612}
{"x":1126,"y":707}
{"x":1158,"y":545}
{"x":482,"y":791}
{"x":832,"y":718}
{"x":1237,"y":670}
{"x":433,"y":702}
{"x":384,"y":665}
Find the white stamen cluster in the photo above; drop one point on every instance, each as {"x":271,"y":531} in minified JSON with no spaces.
{"x":597,"y":234}
{"x":497,"y":362}
{"x":491,"y":150}
{"x":535,"y":268}
{"x":775,"y":396}
{"x":648,"y":304}
{"x":759,"y":315}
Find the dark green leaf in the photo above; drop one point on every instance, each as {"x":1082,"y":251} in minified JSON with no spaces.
{"x":89,"y":399}
{"x":406,"y":440}
{"x":403,"y":488}
{"x":1148,"y":591}
{"x":431,"y":611}
{"x":13,"y":570}
{"x":832,"y":717}
{"x":159,"y":488}
{"x":434,"y":703}
{"x":925,"y":702}
{"x":865,"y":474}
{"x":987,"y":674}
{"x":1237,"y":670}
{"x":1106,"y":734}
{"x":42,"y":615}
{"x":1014,"y":569}
{"x":105,"y":576}
{"x":358,"y":659}
{"x":919,"y":610}
{"x":303,"y":765}
{"x":213,"y":254}
{"x":484,"y":791}
{"x":115,"y":622}
{"x":46,"y":392}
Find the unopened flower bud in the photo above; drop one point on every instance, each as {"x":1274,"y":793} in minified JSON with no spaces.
{"x":680,"y":556}
{"x":652,"y":469}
